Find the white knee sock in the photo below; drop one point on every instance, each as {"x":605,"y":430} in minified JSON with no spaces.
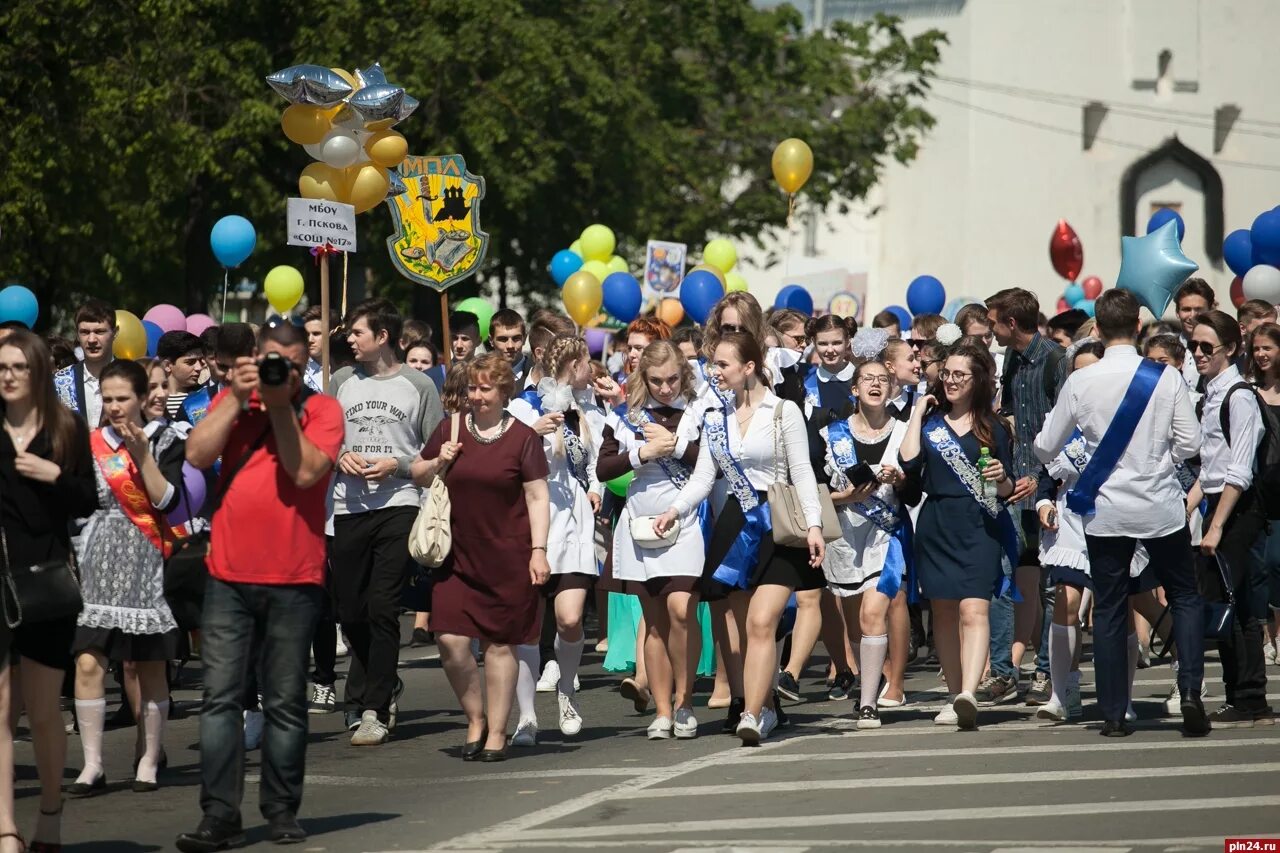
{"x":92,"y":717}
{"x":527,"y":682}
{"x":569,"y":656}
{"x":1062,"y":642}
{"x":154,"y":717}
{"x":871,"y":654}
{"x":1133,"y":667}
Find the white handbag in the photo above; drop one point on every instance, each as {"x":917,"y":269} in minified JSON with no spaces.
{"x":431,"y":536}
{"x":642,"y":532}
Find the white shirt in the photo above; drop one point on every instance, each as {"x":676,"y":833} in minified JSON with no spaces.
{"x":754,"y":452}
{"x":1141,"y":498}
{"x":92,"y":399}
{"x":1222,"y":464}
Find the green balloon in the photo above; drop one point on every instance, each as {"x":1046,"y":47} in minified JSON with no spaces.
{"x":483,"y":311}
{"x":618,"y":485}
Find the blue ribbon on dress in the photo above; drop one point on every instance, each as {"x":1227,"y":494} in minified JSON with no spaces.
{"x":738,"y":564}
{"x":64,"y":384}
{"x":574,"y":451}
{"x":1081,"y":499}
{"x":812,"y":394}
{"x":940,"y":437}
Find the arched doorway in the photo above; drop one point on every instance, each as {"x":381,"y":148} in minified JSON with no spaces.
{"x":1173,"y":175}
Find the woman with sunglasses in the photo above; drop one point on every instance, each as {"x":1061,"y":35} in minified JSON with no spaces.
{"x":1232,"y":425}
{"x":964,"y":531}
{"x":1264,"y":372}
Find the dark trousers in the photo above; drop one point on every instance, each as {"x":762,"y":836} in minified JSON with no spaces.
{"x":324,"y":640}
{"x":1171,"y":559}
{"x":370,"y":556}
{"x":1244,"y":669}
{"x":283,"y":617}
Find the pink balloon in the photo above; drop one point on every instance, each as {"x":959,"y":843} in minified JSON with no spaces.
{"x":1062,"y":305}
{"x":198,"y":323}
{"x":167,"y":317}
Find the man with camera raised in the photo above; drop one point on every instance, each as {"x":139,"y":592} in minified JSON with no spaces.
{"x":278,"y":443}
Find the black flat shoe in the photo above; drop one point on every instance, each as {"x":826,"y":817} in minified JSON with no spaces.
{"x":286,"y":830}
{"x":140,"y":787}
{"x":472,"y":749}
{"x":84,"y":790}
{"x":490,"y":755}
{"x":210,"y":837}
{"x":1116,"y":728}
{"x":1195,"y":722}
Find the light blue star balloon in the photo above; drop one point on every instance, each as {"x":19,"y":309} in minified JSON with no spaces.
{"x":1153,"y":267}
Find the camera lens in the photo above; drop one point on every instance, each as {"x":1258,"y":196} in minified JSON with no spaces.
{"x":273,"y":370}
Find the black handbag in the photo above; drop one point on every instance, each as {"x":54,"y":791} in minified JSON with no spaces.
{"x":48,"y":590}
{"x":186,"y":572}
{"x":1219,"y":616}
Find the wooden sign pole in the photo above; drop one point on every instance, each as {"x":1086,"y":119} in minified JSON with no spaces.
{"x":446,"y":343}
{"x":324,"y":321}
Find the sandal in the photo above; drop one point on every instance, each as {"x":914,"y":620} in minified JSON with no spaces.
{"x":21,"y":840}
{"x":46,"y":846}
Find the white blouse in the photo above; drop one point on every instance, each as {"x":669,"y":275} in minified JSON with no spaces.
{"x":755,"y":453}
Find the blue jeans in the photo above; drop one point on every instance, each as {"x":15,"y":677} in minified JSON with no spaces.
{"x":1001,"y":618}
{"x":283,"y":619}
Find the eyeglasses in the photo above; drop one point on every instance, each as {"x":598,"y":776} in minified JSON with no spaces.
{"x":873,"y":380}
{"x":957,"y":376}
{"x":929,"y":362}
{"x":15,"y":369}
{"x":1203,"y":347}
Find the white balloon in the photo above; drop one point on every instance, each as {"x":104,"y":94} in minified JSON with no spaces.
{"x":1262,"y":282}
{"x":315,"y":149}
{"x":340,"y":149}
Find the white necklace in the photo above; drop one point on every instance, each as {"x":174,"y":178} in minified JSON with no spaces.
{"x":20,"y":439}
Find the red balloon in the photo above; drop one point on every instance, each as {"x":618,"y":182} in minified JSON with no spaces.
{"x":1237,"y":291}
{"x":1092,"y":287}
{"x":1062,"y":305}
{"x":1065,"y":251}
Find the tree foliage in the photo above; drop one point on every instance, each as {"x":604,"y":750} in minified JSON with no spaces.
{"x":132,"y":126}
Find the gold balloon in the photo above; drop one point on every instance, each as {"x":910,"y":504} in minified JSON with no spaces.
{"x":131,"y":338}
{"x":320,"y":180}
{"x":387,"y":149}
{"x":367,"y":187}
{"x":582,"y":296}
{"x":792,"y":164}
{"x":670,"y":311}
{"x":305,"y":125}
{"x":715,"y":271}
{"x":348,"y":76}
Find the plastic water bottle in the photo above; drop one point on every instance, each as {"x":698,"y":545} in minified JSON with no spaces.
{"x":984,"y":457}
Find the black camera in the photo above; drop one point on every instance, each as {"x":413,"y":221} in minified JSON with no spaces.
{"x":273,"y":370}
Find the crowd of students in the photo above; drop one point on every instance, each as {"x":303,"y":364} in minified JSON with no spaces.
{"x":785,"y":479}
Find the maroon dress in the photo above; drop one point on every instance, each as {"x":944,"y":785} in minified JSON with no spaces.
{"x":483,"y":589}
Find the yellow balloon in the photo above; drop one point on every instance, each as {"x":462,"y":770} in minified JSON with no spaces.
{"x":131,"y":337}
{"x":721,"y":254}
{"x":576,"y":248}
{"x":387,"y":149}
{"x":598,"y":269}
{"x":320,"y":180}
{"x":368,"y":187}
{"x":598,"y":243}
{"x":792,"y":164}
{"x":734,"y":281}
{"x":305,"y":125}
{"x":582,"y":296}
{"x":617,"y":264}
{"x":283,"y":287}
{"x":715,"y":271}
{"x":670,"y":311}
{"x":348,"y":76}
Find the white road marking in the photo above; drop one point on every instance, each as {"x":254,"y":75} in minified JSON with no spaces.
{"x":519,"y":775}
{"x":705,"y":844}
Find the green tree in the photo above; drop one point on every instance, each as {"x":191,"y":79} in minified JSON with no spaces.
{"x":132,"y":131}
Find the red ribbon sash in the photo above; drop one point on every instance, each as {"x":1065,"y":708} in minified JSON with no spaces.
{"x":125,"y":481}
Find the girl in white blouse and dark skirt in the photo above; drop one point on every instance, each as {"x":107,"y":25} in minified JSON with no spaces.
{"x":752,"y":440}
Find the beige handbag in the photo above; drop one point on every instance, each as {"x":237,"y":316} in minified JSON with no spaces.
{"x":643,"y":535}
{"x":789,"y":526}
{"x":431,"y":537}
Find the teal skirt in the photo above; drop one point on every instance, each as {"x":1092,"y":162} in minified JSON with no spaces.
{"x":624,"y":623}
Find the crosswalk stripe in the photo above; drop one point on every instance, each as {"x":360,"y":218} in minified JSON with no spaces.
{"x":706,"y":844}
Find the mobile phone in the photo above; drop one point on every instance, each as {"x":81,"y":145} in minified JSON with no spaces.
{"x":1053,"y":517}
{"x":860,"y":474}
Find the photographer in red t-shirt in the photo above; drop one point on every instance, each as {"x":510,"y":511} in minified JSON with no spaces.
{"x":278,"y":444}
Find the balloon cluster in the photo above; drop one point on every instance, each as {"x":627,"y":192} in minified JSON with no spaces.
{"x":925,"y":295}
{"x":708,"y":282}
{"x":582,"y":271}
{"x":136,"y":338}
{"x":1253,"y":254}
{"x":1067,"y":256}
{"x":344,"y":122}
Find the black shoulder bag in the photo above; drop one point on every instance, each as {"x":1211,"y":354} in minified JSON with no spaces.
{"x":185,"y":572}
{"x":48,"y":590}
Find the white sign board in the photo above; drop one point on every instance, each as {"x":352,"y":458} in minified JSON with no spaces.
{"x":315,"y":222}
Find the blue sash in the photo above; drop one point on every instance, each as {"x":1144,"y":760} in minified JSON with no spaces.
{"x":573,"y":449}
{"x":940,"y":437}
{"x":196,"y":406}
{"x":677,"y":472}
{"x":1080,"y":500}
{"x":736,"y":568}
{"x":812,"y":394}
{"x":64,"y":384}
{"x":1075,"y":452}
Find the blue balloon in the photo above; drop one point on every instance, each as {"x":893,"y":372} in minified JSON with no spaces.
{"x":1265,"y":238}
{"x":1073,"y":293}
{"x":1163,"y":215}
{"x":795,"y":297}
{"x":232,"y":239}
{"x":1085,"y":305}
{"x":903,"y":315}
{"x":926,"y":295}
{"x":622,"y":296}
{"x":20,"y":304}
{"x":1237,"y":251}
{"x":1153,"y":267}
{"x":953,"y":307}
{"x":153,"y":337}
{"x":699,"y":292}
{"x":564,"y":264}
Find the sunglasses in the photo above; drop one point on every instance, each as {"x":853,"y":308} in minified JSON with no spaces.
{"x":730,"y":328}
{"x":1203,"y":347}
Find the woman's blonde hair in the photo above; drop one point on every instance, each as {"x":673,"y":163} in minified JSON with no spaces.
{"x":749,"y":313}
{"x":561,"y":352}
{"x":657,"y":354}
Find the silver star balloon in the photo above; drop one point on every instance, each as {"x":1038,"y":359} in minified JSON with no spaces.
{"x":377,"y":103}
{"x":371,"y":76}
{"x":310,"y":84}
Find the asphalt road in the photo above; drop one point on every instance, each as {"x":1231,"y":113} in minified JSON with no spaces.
{"x":1014,"y":785}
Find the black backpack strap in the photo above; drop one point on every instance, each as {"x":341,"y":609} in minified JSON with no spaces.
{"x":1224,"y":414}
{"x":1052,"y":367}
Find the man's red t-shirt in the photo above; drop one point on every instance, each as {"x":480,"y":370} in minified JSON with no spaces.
{"x":268,"y":530}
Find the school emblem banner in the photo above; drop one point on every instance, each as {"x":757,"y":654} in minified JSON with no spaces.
{"x":438,"y":241}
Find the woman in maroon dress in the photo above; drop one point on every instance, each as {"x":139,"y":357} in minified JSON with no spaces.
{"x":488,"y":585}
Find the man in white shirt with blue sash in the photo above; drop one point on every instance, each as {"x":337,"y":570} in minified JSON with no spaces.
{"x":1137,"y":420}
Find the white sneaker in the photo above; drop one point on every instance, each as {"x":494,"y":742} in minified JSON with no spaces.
{"x":550,"y":677}
{"x":526,"y":734}
{"x":1173,"y":702}
{"x":768,"y":722}
{"x":254,"y":724}
{"x":748,"y":730}
{"x":340,"y":649}
{"x":570,"y":717}
{"x":966,"y":708}
{"x":1271,"y":654}
{"x":660,"y":729}
{"x":1053,"y":710}
{"x":947,"y":716}
{"x":1130,"y":715}
{"x":372,"y":731}
{"x":686,"y":725}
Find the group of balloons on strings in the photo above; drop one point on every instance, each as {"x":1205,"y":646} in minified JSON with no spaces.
{"x":1253,"y":254}
{"x":1066,"y":253}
